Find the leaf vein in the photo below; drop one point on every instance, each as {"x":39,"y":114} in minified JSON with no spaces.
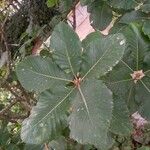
{"x":55,"y":107}
{"x":48,"y":76}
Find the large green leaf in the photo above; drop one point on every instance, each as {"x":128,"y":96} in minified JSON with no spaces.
{"x":136,"y":57}
{"x":101,"y":54}
{"x":120,"y":124}
{"x":48,"y":117}
{"x":146,"y":28}
{"x":92,"y":103}
{"x":138,"y":45}
{"x":91,"y":37}
{"x":38,"y":74}
{"x":100,"y":14}
{"x":66,"y":48}
{"x":120,"y":83}
{"x":92,"y":108}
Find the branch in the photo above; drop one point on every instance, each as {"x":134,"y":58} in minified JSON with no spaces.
{"x":9,"y":88}
{"x":3,"y":59}
{"x":74,"y":18}
{"x":12,"y":117}
{"x":3,"y":117}
{"x":8,"y":107}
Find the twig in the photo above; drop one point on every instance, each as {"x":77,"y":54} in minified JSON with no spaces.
{"x":8,"y":107}
{"x":7,"y":86}
{"x":3,"y":117}
{"x":26,"y":106}
{"x":74,"y":17}
{"x":11,"y":117}
{"x":19,"y":98}
{"x":17,"y":116}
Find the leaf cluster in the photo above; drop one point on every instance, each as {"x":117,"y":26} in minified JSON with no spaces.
{"x":70,"y":91}
{"x":87,"y":87}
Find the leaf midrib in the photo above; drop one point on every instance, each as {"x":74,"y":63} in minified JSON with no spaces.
{"x":68,"y":58}
{"x":96,"y":63}
{"x":84,"y":101}
{"x":86,"y":105}
{"x":48,"y":76}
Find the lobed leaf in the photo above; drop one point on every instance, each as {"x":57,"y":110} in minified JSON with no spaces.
{"x":92,"y":103}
